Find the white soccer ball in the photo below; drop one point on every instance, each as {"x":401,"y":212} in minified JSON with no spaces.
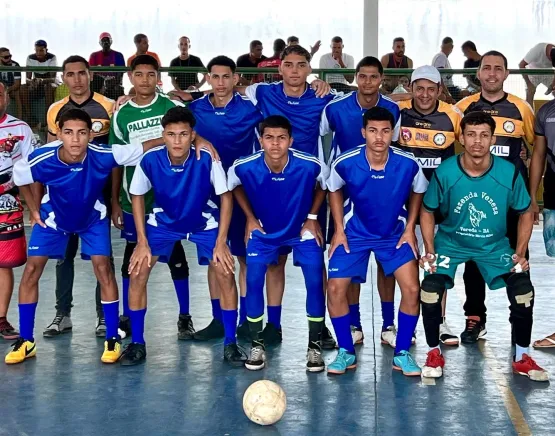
{"x":264,"y":402}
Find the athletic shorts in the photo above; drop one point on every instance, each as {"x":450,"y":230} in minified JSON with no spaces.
{"x":549,"y":231}
{"x":263,"y":249}
{"x":129,"y":232}
{"x":236,"y":232}
{"x":354,"y":265}
{"x":541,"y":80}
{"x":95,"y":241}
{"x":13,"y":249}
{"x":162,"y":240}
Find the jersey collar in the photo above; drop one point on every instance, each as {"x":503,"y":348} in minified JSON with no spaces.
{"x":4,"y":118}
{"x":184,"y":162}
{"x":493,"y":102}
{"x":477,"y":177}
{"x":370,"y":166}
{"x":132,"y":103}
{"x":229,"y":103}
{"x":73,"y":164}
{"x":283,"y":170}
{"x":421,"y":114}
{"x":306,"y":85}
{"x":360,"y":106}
{"x":86,"y":102}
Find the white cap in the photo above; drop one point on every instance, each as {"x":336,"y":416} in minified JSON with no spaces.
{"x":426,"y":72}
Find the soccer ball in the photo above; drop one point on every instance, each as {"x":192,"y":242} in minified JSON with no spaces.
{"x":264,"y":402}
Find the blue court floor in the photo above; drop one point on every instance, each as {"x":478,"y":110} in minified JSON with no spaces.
{"x":185,"y":388}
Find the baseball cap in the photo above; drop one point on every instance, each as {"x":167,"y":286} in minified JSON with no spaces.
{"x":426,"y":72}
{"x":104,"y":35}
{"x":40,"y":43}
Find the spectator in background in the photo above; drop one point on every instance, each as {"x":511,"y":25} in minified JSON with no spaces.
{"x":293,"y":40}
{"x":186,"y":81}
{"x":441,"y":61}
{"x":141,"y":43}
{"x":272,"y":62}
{"x":337,"y":60}
{"x":108,"y":83}
{"x":250,"y":60}
{"x":397,"y":59}
{"x":542,"y":55}
{"x":12,"y":81}
{"x":472,"y":61}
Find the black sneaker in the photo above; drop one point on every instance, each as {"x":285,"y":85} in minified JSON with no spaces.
{"x":214,"y":330}
{"x":475,"y":330}
{"x":257,"y":358}
{"x":272,"y":335}
{"x":314,"y":360}
{"x":328,"y":343}
{"x":234,"y":355}
{"x":125,"y":326}
{"x":133,"y":354}
{"x":185,"y":329}
{"x":243,"y":331}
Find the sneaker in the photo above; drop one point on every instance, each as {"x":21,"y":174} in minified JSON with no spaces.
{"x":185,"y":329}
{"x":22,"y":350}
{"x":314,"y":361}
{"x":474,"y":331}
{"x":243,"y":331}
{"x":133,"y":354}
{"x":257,"y":358}
{"x":60,"y":324}
{"x":7,"y":331}
{"x":100,"y":329}
{"x":446,"y":336}
{"x":272,"y":335}
{"x":358,"y":335}
{"x":112,"y":351}
{"x":343,"y":361}
{"x":124,"y":327}
{"x":389,"y":336}
{"x":404,"y":362}
{"x":529,"y":368}
{"x":435,"y":362}
{"x":214,"y":330}
{"x":328,"y":342}
{"x":234,"y":355}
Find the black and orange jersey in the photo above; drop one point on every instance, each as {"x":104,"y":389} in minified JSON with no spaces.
{"x":514,"y":119}
{"x":431,"y":138}
{"x":99,"y":108}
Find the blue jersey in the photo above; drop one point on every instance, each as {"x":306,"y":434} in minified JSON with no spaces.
{"x":376,"y":205}
{"x":183,"y":194}
{"x":343,"y":117}
{"x":303,"y":112}
{"x":231,"y":129}
{"x":281,"y":202}
{"x":73,"y":200}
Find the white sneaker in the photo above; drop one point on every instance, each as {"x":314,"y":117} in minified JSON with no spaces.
{"x":60,"y":324}
{"x":446,"y":336}
{"x":358,"y":336}
{"x":389,"y":336}
{"x":100,"y":329}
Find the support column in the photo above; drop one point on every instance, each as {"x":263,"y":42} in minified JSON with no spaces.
{"x":370,"y":28}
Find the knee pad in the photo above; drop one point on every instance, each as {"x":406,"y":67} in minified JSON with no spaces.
{"x":179,"y":268}
{"x":129,"y":247}
{"x":520,"y":292}
{"x":431,"y":293}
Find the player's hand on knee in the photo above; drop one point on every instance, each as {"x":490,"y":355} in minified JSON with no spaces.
{"x":117,"y":215}
{"x":521,"y":264}
{"x":140,"y":255}
{"x":313,"y":226}
{"x":223,"y":258}
{"x":320,"y":87}
{"x":408,"y":237}
{"x":339,"y":238}
{"x":252,"y":225}
{"x":428,"y":263}
{"x":35,"y":219}
{"x":201,"y":143}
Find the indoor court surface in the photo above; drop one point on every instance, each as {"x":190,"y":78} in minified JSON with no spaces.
{"x":185,"y":389}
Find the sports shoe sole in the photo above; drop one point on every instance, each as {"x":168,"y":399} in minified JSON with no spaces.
{"x":100,"y":334}
{"x":338,"y":372}
{"x":132,"y":362}
{"x":54,"y":333}
{"x":432,"y":372}
{"x":316,"y":368}
{"x":452,"y":342}
{"x":407,"y":374}
{"x":538,"y":376}
{"x":255,"y":367}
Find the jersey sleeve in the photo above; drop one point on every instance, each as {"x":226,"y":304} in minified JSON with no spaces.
{"x":325,"y":126}
{"x":440,"y":62}
{"x":335,"y":181}
{"x":232,"y":179}
{"x":218,"y":179}
{"x":323,"y":176}
{"x":127,"y":155}
{"x":26,"y":147}
{"x":397,"y":128}
{"x":529,"y":123}
{"x":420,"y":182}
{"x":253,"y":92}
{"x":22,"y":173}
{"x":140,"y":184}
{"x":539,"y":125}
{"x":51,"y":120}
{"x":520,"y":199}
{"x":116,"y":134}
{"x":434,"y":195}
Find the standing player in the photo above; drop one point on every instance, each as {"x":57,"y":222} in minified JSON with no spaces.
{"x":183,"y":190}
{"x":74,"y":173}
{"x":429,"y":129}
{"x":281,"y":191}
{"x":473,"y":192}
{"x":16,"y":142}
{"x":380,"y":180}
{"x":514,"y":119}
{"x":341,"y":116}
{"x":228,"y":120}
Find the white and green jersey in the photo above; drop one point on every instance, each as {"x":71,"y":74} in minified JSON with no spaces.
{"x":140,"y":123}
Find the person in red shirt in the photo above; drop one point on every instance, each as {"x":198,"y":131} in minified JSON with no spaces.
{"x":272,"y":62}
{"x":110,"y":81}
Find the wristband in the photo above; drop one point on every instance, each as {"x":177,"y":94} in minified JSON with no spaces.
{"x":312,"y":216}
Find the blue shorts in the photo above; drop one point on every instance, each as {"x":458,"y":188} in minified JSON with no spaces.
{"x":162,"y":241}
{"x":262,"y":249}
{"x":236,"y":233}
{"x":95,"y":241}
{"x":129,"y":232}
{"x":354,"y":265}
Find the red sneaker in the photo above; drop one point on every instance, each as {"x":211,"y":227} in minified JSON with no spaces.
{"x":7,"y":331}
{"x":434,"y":364}
{"x":529,"y":368}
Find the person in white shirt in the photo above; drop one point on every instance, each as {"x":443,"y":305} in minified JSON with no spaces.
{"x":542,"y":55}
{"x":441,"y":60}
{"x":338,"y":59}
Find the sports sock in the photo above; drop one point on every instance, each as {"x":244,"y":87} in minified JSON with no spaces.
{"x":182,"y":291}
{"x":111,"y":316}
{"x":354,"y":315}
{"x":216,"y":309}
{"x":274,"y":316}
{"x":520,"y":351}
{"x":137,"y":318}
{"x":242,"y":310}
{"x":230,"y":325}
{"x":407,"y":324}
{"x":342,"y":327}
{"x":125,"y":295}
{"x":27,"y":321}
{"x":388,"y":314}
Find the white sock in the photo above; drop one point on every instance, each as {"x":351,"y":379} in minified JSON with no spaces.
{"x":434,"y":348}
{"x":520,"y":351}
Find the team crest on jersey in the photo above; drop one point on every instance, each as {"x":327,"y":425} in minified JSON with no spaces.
{"x":8,"y":203}
{"x":476,"y":216}
{"x":439,"y":139}
{"x":406,"y":135}
{"x":97,"y":127}
{"x":509,"y":126}
{"x":8,"y":144}
{"x":506,"y":260}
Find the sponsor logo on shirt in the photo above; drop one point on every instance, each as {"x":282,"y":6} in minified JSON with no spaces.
{"x":252,"y":254}
{"x":219,"y":113}
{"x":509,"y":126}
{"x":177,"y":170}
{"x":422,"y":136}
{"x":423,"y":124}
{"x":96,"y":127}
{"x":476,"y":216}
{"x":278,"y":179}
{"x":377,"y":177}
{"x":76,"y":170}
{"x":33,"y":247}
{"x":145,"y":111}
{"x":500,"y":150}
{"x":8,"y":203}
{"x":406,"y":135}
{"x":333,"y":269}
{"x":294,"y":103}
{"x":147,"y":123}
{"x":439,"y":139}
{"x":429,"y":162}
{"x":550,"y":120}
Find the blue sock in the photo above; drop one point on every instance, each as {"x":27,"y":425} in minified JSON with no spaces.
{"x":354,"y":315}
{"x":274,"y":315}
{"x":111,"y":316}
{"x":242,"y":310}
{"x":407,"y":325}
{"x":182,"y":291}
{"x":125,"y":295}
{"x":388,"y":314}
{"x":27,"y":321}
{"x":137,"y":318}
{"x":230,"y":326}
{"x":342,"y":327}
{"x":216,"y":309}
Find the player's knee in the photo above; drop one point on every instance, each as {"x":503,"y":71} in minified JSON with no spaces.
{"x":32,"y":272}
{"x":431,"y":294}
{"x":103,"y":270}
{"x":138,"y":282}
{"x":336,"y":290}
{"x":521,"y":294}
{"x":179,"y":270}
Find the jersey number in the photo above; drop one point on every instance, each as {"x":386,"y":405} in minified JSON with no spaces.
{"x":444,"y":261}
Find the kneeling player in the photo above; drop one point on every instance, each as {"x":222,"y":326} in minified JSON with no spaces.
{"x":281,"y":190}
{"x":379,"y":180}
{"x":183,"y":190}
{"x":474,"y":192}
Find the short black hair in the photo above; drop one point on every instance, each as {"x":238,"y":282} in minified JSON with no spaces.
{"x":139,"y":37}
{"x":494,"y":53}
{"x":295,"y":49}
{"x":337,"y":39}
{"x":74,"y":60}
{"x":279,"y":45}
{"x":144,"y":60}
{"x":477,"y":118}
{"x":75,"y":115}
{"x":275,"y":122}
{"x":4,"y":49}
{"x":222,"y":61}
{"x":370,"y":61}
{"x":398,"y":39}
{"x":292,"y":39}
{"x":378,"y":114}
{"x":470,"y":45}
{"x":255,"y":43}
{"x":447,"y":40}
{"x":179,"y":114}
